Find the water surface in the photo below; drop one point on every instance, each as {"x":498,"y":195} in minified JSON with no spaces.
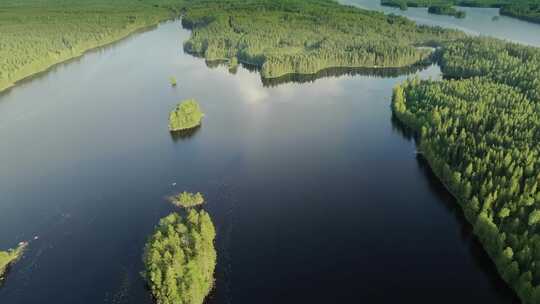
{"x":317,"y":195}
{"x":479,"y":21}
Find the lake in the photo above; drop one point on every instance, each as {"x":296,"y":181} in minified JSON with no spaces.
{"x":316,"y":192}
{"x":479,"y":21}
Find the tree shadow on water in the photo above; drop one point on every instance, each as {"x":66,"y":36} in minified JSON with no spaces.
{"x":335,"y":72}
{"x":184,"y":135}
{"x":402,"y":129}
{"x":481,"y":259}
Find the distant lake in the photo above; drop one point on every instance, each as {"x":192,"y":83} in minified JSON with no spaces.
{"x":317,"y":194}
{"x":479,"y":21}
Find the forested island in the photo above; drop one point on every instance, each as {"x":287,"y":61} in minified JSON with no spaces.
{"x":186,"y":115}
{"x":9,"y":257}
{"x":528,"y":10}
{"x":282,"y":37}
{"x":187,"y":199}
{"x":180,"y":258}
{"x":479,"y":131}
{"x":444,"y":9}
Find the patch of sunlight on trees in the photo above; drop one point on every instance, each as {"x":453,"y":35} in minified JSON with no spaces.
{"x":187,"y":199}
{"x":9,"y":257}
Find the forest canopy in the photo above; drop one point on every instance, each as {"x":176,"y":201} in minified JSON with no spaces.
{"x":180,"y":258}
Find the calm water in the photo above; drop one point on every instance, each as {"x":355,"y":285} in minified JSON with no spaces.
{"x":318,"y":197}
{"x":479,"y":21}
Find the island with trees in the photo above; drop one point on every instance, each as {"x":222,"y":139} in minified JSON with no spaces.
{"x":7,"y":258}
{"x":306,"y":36}
{"x":445,"y":9}
{"x":528,"y":10}
{"x":173,"y":81}
{"x":479,"y":130}
{"x":186,"y":115}
{"x":180,"y":258}
{"x":187,"y":199}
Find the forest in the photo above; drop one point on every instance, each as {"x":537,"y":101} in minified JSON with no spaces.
{"x":480,"y":129}
{"x":294,"y":36}
{"x":180,"y":258}
{"x":528,"y":10}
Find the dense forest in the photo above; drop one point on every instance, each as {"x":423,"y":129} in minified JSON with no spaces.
{"x":9,"y":257}
{"x":480,"y":132}
{"x":37,"y":34}
{"x":522,"y":9}
{"x":180,"y":258}
{"x":295,"y":36}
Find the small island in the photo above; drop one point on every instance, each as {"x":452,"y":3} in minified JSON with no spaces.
{"x":173,"y":81}
{"x":180,"y":258}
{"x":7,"y":258}
{"x":187,"y":200}
{"x":186,"y":115}
{"x":444,"y":9}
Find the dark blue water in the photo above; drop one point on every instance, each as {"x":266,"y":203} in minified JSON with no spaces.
{"x":317,"y":196}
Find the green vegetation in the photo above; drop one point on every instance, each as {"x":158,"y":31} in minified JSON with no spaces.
{"x":523,"y":9}
{"x":36,"y":34}
{"x":186,"y":115}
{"x":180,"y":258}
{"x":427,"y":3}
{"x":187,"y":200}
{"x":480,"y":133}
{"x":444,"y":9}
{"x":9,"y":257}
{"x":305,"y":36}
{"x":298,"y":36}
{"x":173,"y":81}
{"x":529,"y":11}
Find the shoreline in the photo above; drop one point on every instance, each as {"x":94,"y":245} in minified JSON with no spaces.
{"x":460,"y":202}
{"x":18,"y":252}
{"x":428,"y":60}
